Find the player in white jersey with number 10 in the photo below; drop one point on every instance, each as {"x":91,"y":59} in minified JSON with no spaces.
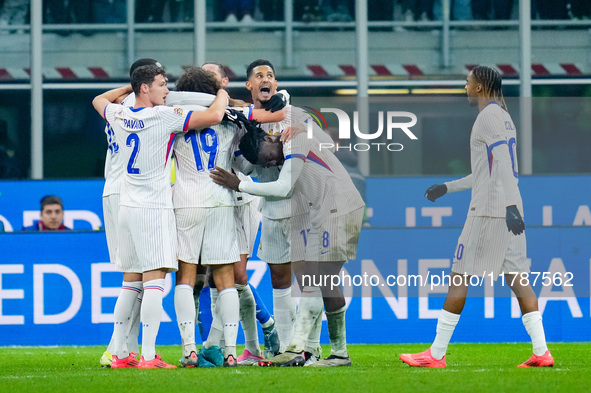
{"x":493,"y":239}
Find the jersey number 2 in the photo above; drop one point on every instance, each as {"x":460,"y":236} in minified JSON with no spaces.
{"x":135,"y":140}
{"x":208,"y":142}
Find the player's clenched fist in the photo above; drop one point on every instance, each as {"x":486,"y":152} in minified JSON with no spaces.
{"x":436,"y":191}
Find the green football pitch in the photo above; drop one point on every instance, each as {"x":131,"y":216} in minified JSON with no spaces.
{"x":376,"y":368}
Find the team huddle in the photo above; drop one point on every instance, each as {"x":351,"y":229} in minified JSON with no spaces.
{"x":309,"y":211}
{"x":153,"y":229}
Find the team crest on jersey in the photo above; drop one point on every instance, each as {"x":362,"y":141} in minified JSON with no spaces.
{"x":178,"y":111}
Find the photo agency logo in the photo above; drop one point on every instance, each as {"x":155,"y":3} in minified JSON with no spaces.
{"x":358,"y":140}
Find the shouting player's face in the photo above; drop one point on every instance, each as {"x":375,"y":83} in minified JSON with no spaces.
{"x":262,"y":84}
{"x":473,"y":89}
{"x":157,"y":90}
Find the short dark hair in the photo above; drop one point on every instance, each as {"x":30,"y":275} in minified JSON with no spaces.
{"x":221,"y":67}
{"x":51,"y":200}
{"x":143,"y":62}
{"x":256,"y":63}
{"x":145,"y":74}
{"x":198,"y":80}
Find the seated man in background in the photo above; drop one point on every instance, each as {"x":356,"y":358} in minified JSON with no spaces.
{"x":52,"y":215}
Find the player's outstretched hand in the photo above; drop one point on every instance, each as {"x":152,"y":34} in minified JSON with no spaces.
{"x":224,"y":178}
{"x":514,"y":220}
{"x":276,"y":103}
{"x":436,"y":191}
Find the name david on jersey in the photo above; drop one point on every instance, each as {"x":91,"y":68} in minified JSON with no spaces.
{"x":133,"y":124}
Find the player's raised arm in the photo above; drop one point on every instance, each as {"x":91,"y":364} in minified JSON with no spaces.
{"x":212,"y":115}
{"x":101,"y":101}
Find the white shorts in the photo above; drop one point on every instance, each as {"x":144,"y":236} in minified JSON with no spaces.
{"x":247,"y":218}
{"x":336,"y":239}
{"x":207,"y":233}
{"x":147,"y":240}
{"x":486,"y":247}
{"x":282,"y":240}
{"x":111,"y":213}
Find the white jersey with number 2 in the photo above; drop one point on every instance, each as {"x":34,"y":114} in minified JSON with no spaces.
{"x":145,"y":136}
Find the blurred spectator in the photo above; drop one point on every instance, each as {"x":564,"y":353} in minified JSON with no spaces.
{"x":307,"y":11}
{"x":52,"y":215}
{"x":109,"y":11}
{"x":550,"y":9}
{"x":341,"y":10}
{"x":14,"y":12}
{"x":8,"y":162}
{"x":492,"y":9}
{"x":181,"y":10}
{"x":418,"y":9}
{"x":237,"y":10}
{"x":580,"y":9}
{"x":272,"y":9}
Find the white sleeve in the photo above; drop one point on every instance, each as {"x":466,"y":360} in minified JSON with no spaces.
{"x":502,"y":158}
{"x":291,"y":170}
{"x":178,"y":98}
{"x":322,"y":136}
{"x":241,"y":164}
{"x":465,"y":183}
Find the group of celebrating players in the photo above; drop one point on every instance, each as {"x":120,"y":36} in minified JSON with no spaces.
{"x":309,"y":210}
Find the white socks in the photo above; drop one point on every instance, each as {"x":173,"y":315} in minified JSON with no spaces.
{"x":216,"y":332}
{"x":248,"y":319}
{"x":313,"y":342}
{"x":446,"y":323}
{"x":284,"y":309}
{"x":533,"y":324}
{"x":185,"y":315}
{"x":123,"y":318}
{"x":229,"y":309}
{"x":309,"y":311}
{"x":337,"y":332}
{"x":134,"y":328}
{"x":151,"y":316}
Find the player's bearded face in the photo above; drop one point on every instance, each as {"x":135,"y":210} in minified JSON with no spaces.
{"x":262,"y":83}
{"x":158,"y":90}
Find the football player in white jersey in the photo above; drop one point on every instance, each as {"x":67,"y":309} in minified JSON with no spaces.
{"x":147,"y":230}
{"x":336,"y":213}
{"x":204,"y":213}
{"x":283,"y":218}
{"x":493,"y":239}
{"x":114,"y":167}
{"x":248,"y":219}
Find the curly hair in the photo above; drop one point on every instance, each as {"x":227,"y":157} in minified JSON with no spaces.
{"x":198,"y":80}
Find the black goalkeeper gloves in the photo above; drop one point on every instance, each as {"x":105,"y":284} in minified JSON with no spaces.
{"x":514,"y":221}
{"x":436,"y":191}
{"x":276,"y":103}
{"x":235,"y":117}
